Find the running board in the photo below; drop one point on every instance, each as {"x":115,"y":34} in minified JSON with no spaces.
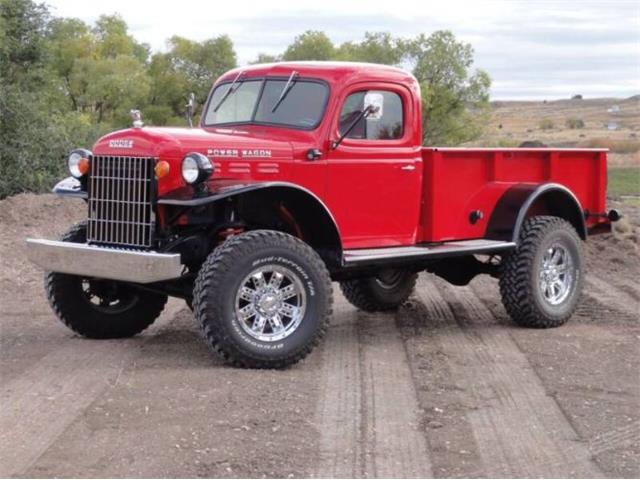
{"x":378,"y":256}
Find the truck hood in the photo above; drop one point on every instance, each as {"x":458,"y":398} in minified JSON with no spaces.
{"x":174,"y":143}
{"x":235,"y":153}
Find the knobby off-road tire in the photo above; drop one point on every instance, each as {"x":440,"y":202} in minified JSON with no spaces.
{"x":97,"y":308}
{"x":263,"y":299}
{"x":541,"y":281}
{"x":384,"y":292}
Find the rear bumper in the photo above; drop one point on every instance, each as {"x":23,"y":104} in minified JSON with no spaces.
{"x":101,"y":262}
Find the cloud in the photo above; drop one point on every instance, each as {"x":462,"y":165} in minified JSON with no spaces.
{"x":530,"y":49}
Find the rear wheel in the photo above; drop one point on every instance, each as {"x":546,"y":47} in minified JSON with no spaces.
{"x":98,"y":308}
{"x":263,"y":299}
{"x":542,"y":279}
{"x":386,"y":291}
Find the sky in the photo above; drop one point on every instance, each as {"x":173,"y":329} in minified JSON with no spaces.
{"x":531,"y":49}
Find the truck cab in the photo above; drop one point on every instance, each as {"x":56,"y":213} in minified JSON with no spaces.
{"x":300,"y":174}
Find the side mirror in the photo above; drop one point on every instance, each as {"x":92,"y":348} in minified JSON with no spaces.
{"x":190,"y":108}
{"x":374,"y":101}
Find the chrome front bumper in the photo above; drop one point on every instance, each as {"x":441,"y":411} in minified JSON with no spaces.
{"x":101,"y":262}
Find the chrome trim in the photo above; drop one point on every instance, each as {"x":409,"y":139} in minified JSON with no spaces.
{"x":69,"y":187}
{"x":391,"y":255}
{"x":102,"y":262}
{"x":557,"y":273}
{"x":120,"y":201}
{"x":270,"y":303}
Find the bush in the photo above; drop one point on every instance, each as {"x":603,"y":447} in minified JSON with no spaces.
{"x":574,"y":123}
{"x":546,"y":124}
{"x":32,"y":158}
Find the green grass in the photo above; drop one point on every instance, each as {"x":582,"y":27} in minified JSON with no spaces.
{"x":624,"y":181}
{"x":635,"y":201}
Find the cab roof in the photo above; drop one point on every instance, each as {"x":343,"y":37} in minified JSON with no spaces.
{"x":331,"y":72}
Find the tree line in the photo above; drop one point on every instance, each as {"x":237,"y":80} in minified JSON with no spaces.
{"x":64,"y":83}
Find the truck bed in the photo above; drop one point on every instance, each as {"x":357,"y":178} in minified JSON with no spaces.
{"x":459,"y":181}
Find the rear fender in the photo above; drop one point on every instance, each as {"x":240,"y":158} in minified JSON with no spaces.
{"x":525,"y":200}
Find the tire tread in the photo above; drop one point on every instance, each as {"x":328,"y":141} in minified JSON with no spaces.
{"x":208,"y":311}
{"x":516,"y":288}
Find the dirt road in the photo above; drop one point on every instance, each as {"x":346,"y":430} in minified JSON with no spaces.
{"x":446,"y":387}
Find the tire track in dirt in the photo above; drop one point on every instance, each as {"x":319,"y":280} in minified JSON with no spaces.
{"x":520,"y":431}
{"x":612,"y":297}
{"x":602,"y":442}
{"x":45,"y":399}
{"x":368,"y":413}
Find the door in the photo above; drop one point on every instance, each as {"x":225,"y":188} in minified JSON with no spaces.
{"x":375,"y":173}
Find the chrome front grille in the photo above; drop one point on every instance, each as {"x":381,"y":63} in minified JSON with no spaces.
{"x":120,"y":201}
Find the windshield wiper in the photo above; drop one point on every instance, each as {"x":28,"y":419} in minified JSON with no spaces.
{"x":231,"y":90}
{"x":285,"y":91}
{"x":363,"y":114}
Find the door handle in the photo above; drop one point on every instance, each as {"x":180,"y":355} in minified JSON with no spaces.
{"x":408,"y":168}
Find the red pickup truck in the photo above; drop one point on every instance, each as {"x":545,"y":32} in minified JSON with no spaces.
{"x":300,"y":174}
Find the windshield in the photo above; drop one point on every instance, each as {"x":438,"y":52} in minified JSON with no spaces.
{"x":301,"y":107}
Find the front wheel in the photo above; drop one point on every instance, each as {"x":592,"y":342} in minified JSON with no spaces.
{"x":97,"y":308}
{"x":542,"y":279}
{"x":263,"y":299}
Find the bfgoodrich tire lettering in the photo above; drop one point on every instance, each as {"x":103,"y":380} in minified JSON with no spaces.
{"x":522,"y":278}
{"x":223,"y":276}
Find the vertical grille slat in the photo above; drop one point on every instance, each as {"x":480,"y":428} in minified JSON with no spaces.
{"x":120,"y":203}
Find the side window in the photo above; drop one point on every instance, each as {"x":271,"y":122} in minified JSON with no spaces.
{"x":389,"y":125}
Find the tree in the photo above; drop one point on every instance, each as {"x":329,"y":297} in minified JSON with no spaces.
{"x":102,"y":70}
{"x":113,"y":39}
{"x":188,"y":66}
{"x":311,"y":45}
{"x":455,"y":102}
{"x":266,"y":58}
{"x":29,"y":142}
{"x":70,"y":40}
{"x":378,"y":47}
{"x":111,"y":86}
{"x":23,"y":49}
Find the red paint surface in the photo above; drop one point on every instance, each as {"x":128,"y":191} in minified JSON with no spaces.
{"x":375,"y":201}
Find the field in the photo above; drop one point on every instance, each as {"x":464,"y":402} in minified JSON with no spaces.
{"x":548,"y":122}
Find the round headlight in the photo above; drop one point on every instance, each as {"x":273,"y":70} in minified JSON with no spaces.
{"x":79,"y":162}
{"x":196,"y":168}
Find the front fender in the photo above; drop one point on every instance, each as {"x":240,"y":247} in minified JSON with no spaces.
{"x":185,"y":196}
{"x":308,"y":209}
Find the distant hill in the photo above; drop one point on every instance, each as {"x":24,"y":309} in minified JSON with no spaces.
{"x":599,"y":122}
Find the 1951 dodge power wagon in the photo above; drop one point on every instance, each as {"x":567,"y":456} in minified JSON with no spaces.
{"x":300,"y":174}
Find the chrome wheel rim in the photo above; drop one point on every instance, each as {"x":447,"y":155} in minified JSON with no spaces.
{"x":389,"y":279}
{"x":270,"y":303}
{"x":556,"y":274}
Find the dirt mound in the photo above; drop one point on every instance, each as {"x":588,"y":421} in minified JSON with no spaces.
{"x":28,"y":215}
